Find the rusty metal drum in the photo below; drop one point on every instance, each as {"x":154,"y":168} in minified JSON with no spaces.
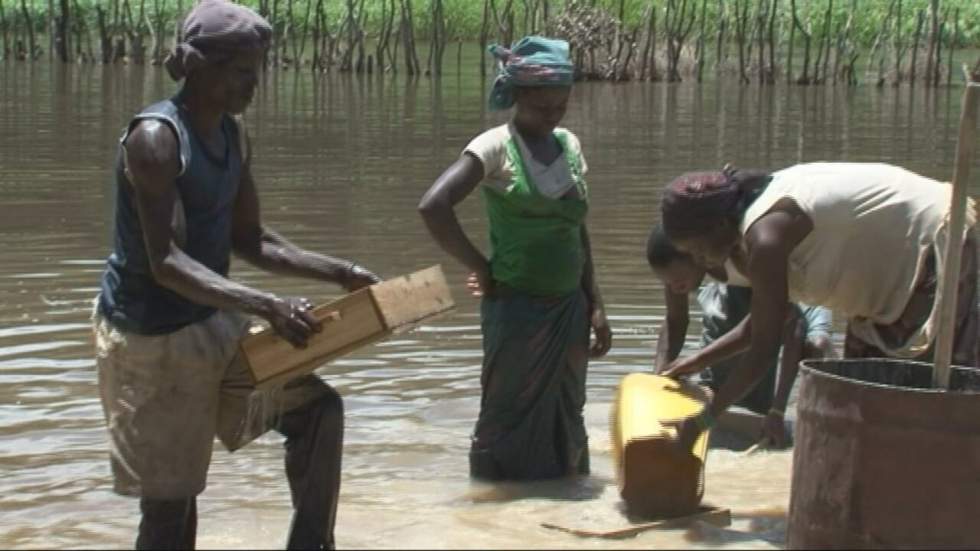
{"x":882,"y":459}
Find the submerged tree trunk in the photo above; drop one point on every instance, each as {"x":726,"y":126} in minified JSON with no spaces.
{"x":156,"y":34}
{"x":384,"y":36}
{"x":437,"y":42}
{"x":654,"y":74}
{"x":701,"y":41}
{"x":789,"y":54}
{"x":879,"y":39}
{"x":135,"y":30}
{"x":761,"y":16}
{"x":317,"y":33}
{"x":805,"y":77}
{"x":105,"y":39}
{"x":741,"y":32}
{"x":408,"y":38}
{"x":300,"y":50}
{"x":953,"y":40}
{"x":899,"y":45}
{"x":287,"y":34}
{"x":276,"y":32}
{"x":772,"y":41}
{"x":853,"y":52}
{"x":937,"y":66}
{"x":914,"y":62}
{"x":61,"y":32}
{"x":29,"y":25}
{"x":720,"y":44}
{"x":3,"y":32}
{"x":677,"y":29}
{"x":52,"y":29}
{"x":625,"y":72}
{"x":180,"y":20}
{"x":79,"y":33}
{"x":843,"y":42}
{"x":459,"y":56}
{"x":483,"y":37}
{"x":933,"y":39}
{"x":350,"y":24}
{"x":825,"y":42}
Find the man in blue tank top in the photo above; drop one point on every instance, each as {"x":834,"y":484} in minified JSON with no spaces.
{"x":168,"y":320}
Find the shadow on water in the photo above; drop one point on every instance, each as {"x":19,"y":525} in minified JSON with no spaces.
{"x":730,"y":440}
{"x":768,"y":525}
{"x":579,"y":488}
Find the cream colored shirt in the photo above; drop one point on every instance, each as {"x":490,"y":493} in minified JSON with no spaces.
{"x":490,"y":148}
{"x":872,"y":227}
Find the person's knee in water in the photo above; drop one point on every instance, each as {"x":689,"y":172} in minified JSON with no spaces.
{"x":167,"y":523}
{"x":314,"y":446}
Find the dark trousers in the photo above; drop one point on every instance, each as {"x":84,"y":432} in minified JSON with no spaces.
{"x":314,"y":441}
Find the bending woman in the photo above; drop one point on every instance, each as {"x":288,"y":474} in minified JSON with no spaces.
{"x":539,"y":292}
{"x":865,"y":240}
{"x":725,"y":301}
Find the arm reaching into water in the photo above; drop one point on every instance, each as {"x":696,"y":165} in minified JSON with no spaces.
{"x":769,"y":241}
{"x":673,"y":330}
{"x":794,"y":334}
{"x":731,"y":343}
{"x":437,"y":210}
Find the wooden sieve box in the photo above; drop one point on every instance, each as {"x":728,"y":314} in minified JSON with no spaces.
{"x":353,"y":321}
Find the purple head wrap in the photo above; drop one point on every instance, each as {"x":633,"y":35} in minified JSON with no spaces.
{"x":213,"y":31}
{"x":695,"y":201}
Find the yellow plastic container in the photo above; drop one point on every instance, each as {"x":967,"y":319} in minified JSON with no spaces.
{"x":655,"y":478}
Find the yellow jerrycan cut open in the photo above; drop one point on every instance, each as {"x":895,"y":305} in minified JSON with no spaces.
{"x":655,"y":478}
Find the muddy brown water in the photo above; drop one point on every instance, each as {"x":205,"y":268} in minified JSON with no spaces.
{"x":341,"y":163}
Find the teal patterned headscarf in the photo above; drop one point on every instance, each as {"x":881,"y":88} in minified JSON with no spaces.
{"x":532,"y":61}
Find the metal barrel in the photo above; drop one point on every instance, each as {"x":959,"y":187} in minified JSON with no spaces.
{"x":884,"y":460}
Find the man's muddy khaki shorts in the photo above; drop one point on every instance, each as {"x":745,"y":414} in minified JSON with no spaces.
{"x":166,"y":397}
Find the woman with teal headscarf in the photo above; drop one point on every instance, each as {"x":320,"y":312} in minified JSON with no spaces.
{"x":538,"y":289}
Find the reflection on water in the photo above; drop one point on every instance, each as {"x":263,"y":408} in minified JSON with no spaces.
{"x":341,"y":164}
{"x":579,"y":488}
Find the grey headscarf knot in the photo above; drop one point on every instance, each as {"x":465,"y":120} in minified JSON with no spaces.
{"x":213,"y":31}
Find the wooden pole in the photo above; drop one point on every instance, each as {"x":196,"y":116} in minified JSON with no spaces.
{"x":710,"y":515}
{"x":949,"y":284}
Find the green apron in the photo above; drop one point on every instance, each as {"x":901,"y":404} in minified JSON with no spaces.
{"x":535,"y":334}
{"x":536,"y":241}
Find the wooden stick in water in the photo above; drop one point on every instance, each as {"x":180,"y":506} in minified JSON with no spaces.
{"x":714,"y":516}
{"x":760,"y":445}
{"x":949,"y":284}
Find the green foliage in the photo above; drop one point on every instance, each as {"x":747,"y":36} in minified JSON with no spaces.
{"x":464,"y":17}
{"x":603,"y":27}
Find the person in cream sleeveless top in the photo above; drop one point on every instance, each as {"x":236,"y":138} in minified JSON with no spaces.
{"x":725,"y":297}
{"x":866,"y":240}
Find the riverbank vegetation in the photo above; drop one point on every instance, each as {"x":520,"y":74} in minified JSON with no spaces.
{"x":805,"y":42}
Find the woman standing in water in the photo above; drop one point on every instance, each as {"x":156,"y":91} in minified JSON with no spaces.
{"x":866,"y":240}
{"x":540,"y":296}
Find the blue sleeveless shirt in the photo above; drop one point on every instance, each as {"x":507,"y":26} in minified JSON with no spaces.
{"x":207,"y":187}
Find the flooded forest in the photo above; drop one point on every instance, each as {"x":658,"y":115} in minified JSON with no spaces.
{"x":804,"y":42}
